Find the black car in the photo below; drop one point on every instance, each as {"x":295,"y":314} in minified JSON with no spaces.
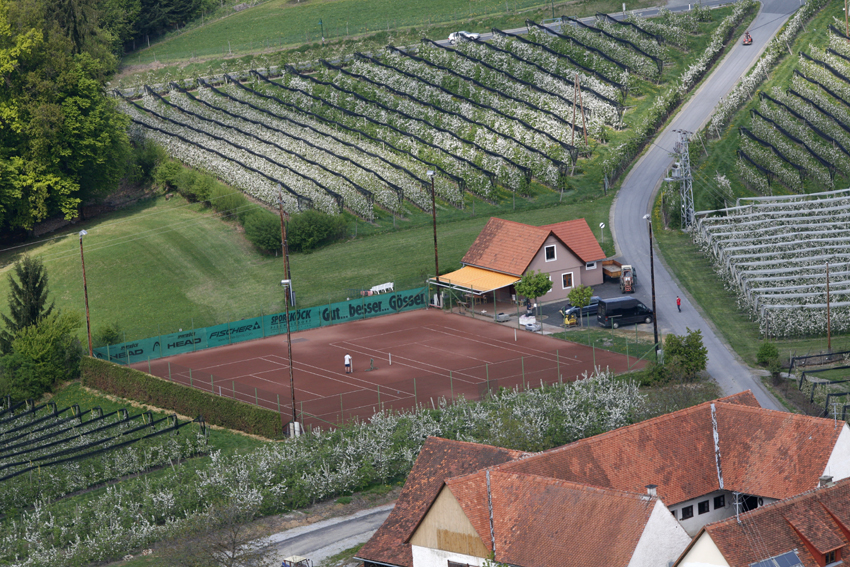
{"x":622,"y":311}
{"x":588,"y":310}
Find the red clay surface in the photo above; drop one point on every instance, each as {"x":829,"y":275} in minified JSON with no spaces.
{"x":433,"y":354}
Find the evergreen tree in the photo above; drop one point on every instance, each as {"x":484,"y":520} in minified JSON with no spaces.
{"x":27,"y":299}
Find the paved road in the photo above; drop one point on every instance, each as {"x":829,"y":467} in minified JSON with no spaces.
{"x":638,"y":191}
{"x":327,"y":538}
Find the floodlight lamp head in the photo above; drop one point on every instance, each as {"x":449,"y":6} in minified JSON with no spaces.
{"x":83,"y":233}
{"x":285,"y":283}
{"x":430,"y":173}
{"x":646,"y":217}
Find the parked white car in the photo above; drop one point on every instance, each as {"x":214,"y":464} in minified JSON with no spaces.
{"x":456,"y":36}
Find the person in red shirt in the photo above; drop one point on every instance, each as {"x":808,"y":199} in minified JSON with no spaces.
{"x":679,"y":303}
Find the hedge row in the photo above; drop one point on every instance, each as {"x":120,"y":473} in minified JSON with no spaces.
{"x":141,"y":387}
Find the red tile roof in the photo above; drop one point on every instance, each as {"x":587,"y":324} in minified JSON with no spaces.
{"x":505,"y":246}
{"x":578,"y":237}
{"x":762,"y":452}
{"x":821,"y":516}
{"x":438,"y":460}
{"x":538,"y":521}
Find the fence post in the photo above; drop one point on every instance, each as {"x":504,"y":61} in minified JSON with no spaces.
{"x":190,"y":377}
{"x":341,"y":409}
{"x":452,"y":385}
{"x":379,"y":394}
{"x":256,"y":398}
{"x":263,"y":322}
{"x":415,"y":397}
{"x":229,"y":338}
{"x":278,"y":403}
{"x":627,"y":356}
{"x":193,"y":334}
{"x":234,"y":389}
{"x":558,"y":364}
{"x":169,"y":372}
{"x":149,"y":365}
{"x":108,"y":356}
{"x":522,"y":363}
{"x":212,"y":385}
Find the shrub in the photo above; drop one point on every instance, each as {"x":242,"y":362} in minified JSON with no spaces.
{"x":109,"y":334}
{"x":135,"y":385}
{"x":766,"y":353}
{"x":263,"y":229}
{"x":42,"y":355}
{"x":146,"y":157}
{"x":167,"y":173}
{"x":312,"y":229}
{"x":223,"y":199}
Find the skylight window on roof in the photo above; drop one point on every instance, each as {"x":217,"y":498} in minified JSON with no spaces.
{"x":789,"y":559}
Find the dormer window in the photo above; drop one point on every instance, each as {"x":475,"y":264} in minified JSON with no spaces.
{"x":832,"y":556}
{"x":550,"y":253}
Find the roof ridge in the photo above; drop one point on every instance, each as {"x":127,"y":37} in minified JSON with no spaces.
{"x":460,"y":441}
{"x":784,"y":414}
{"x":521,"y":223}
{"x":584,"y":487}
{"x":613,"y":432}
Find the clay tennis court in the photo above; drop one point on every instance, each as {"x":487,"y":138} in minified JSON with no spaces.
{"x":417,"y":357}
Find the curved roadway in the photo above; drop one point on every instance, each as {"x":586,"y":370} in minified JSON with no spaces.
{"x":639,"y":189}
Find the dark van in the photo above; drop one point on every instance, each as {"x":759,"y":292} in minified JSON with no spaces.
{"x":622,"y":311}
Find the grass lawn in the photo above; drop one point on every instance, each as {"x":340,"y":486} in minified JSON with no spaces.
{"x":163,"y":265}
{"x":286,"y":23}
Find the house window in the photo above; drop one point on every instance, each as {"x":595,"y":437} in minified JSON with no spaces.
{"x":550,"y":253}
{"x":673,"y":512}
{"x":590,"y":266}
{"x":720,"y":501}
{"x":702,"y":507}
{"x":831,"y":557}
{"x":687,"y":512}
{"x":456,"y":564}
{"x":567,"y":280}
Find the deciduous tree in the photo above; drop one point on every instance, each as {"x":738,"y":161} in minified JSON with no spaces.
{"x":533,"y":285}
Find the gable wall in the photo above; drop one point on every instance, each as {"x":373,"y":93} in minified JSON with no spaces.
{"x":838,"y":466}
{"x":662,"y":540}
{"x":445,"y":527}
{"x":703,"y":553}
{"x":565,"y":261}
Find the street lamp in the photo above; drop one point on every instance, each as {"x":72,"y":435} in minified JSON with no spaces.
{"x":287,"y":285}
{"x":648,"y":220}
{"x":85,"y":290}
{"x":434,"y":217}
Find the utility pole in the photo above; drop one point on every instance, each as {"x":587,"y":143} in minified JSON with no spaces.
{"x":431,"y":174}
{"x":652,"y":280}
{"x":288,"y":290}
{"x":86,"y":291}
{"x":681,"y":172}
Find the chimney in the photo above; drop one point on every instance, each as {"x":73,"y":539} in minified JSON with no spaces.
{"x":650,"y":489}
{"x":825,"y":481}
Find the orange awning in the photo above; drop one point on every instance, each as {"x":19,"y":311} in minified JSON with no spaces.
{"x":475,"y":280}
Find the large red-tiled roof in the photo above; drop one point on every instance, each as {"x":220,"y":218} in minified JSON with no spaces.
{"x":578,"y":237}
{"x":505,"y":246}
{"x":438,"y":460}
{"x":773,"y":453}
{"x":540,"y":522}
{"x":818,"y":516}
{"x":763,"y":452}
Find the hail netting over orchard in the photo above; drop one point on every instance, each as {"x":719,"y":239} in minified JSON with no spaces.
{"x":362,"y":133}
{"x":774,"y":252}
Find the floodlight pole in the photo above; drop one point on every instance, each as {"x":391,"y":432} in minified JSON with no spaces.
{"x":434,"y":217}
{"x":86,"y":291}
{"x":288,"y":291}
{"x":652,"y":280}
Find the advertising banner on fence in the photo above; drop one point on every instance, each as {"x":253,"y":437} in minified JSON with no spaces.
{"x":260,"y":327}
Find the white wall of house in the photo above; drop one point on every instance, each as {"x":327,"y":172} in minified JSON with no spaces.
{"x":838,"y":465}
{"x":662,"y":540}
{"x":693,"y":524}
{"x":428,"y":557}
{"x":703,"y":553}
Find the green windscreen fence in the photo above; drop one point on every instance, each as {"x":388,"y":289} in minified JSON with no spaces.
{"x":266,"y":326}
